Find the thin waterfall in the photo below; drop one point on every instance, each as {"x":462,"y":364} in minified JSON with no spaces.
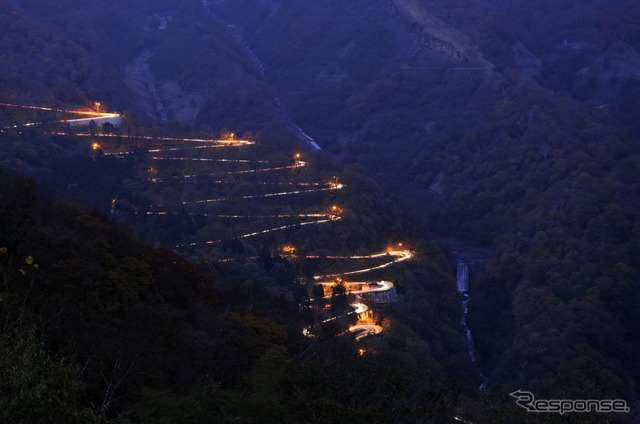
{"x":463,"y":277}
{"x":462,"y":281}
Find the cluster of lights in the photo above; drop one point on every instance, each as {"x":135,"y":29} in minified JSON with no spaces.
{"x":291,"y":250}
{"x":335,"y":184}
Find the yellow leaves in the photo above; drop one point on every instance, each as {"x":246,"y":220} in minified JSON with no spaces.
{"x":29,"y":261}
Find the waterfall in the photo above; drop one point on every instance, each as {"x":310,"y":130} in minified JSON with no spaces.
{"x":463,"y":321}
{"x":462,"y":281}
{"x":463,"y":277}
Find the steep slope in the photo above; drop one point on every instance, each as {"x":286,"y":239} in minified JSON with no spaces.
{"x":437,"y":100}
{"x":100,"y":327}
{"x":362,"y":76}
{"x":40,"y":63}
{"x":543,"y":181}
{"x":172,"y":62}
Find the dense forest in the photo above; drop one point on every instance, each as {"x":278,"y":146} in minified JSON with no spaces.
{"x":92,"y":316}
{"x":501,"y":133}
{"x":518,"y":158}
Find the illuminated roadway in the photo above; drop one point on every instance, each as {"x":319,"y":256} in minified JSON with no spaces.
{"x":399,"y":255}
{"x":97,"y":117}
{"x":360,"y":330}
{"x":364,"y":330}
{"x":257,"y":196}
{"x":367,"y":286}
{"x":116,"y":118}
{"x":297,"y":164}
{"x":261,"y":232}
{"x":357,"y":288}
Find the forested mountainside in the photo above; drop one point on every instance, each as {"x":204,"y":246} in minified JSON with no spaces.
{"x":100,"y":327}
{"x":167,"y":60}
{"x":474,"y":112}
{"x":508,"y":125}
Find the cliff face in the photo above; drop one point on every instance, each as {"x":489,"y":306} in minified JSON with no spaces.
{"x":359,"y":76}
{"x":435,"y":34}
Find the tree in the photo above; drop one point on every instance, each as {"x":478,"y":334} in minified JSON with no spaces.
{"x":108,"y":128}
{"x":339,"y":298}
{"x":266,"y":259}
{"x":317,"y":293}
{"x":36,"y":388}
{"x":93,"y":128}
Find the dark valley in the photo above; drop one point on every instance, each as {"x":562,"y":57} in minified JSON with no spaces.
{"x":327,"y":211}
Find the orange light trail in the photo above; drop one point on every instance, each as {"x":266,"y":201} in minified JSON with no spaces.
{"x":211,"y":160}
{"x":213,"y":143}
{"x":364,"y":330}
{"x":277,"y":168}
{"x":107,"y":115}
{"x":372,"y":256}
{"x":209,"y":215}
{"x":401,"y":255}
{"x":359,"y":308}
{"x":93,"y":115}
{"x":32,"y":107}
{"x":298,"y":164}
{"x":286,"y":183}
{"x":257,"y":233}
{"x":366,"y":286}
{"x":258,"y":196}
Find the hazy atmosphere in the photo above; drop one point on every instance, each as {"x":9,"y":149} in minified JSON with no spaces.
{"x":327,"y":211}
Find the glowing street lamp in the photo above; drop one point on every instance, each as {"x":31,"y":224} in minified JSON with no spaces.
{"x":335,"y":184}
{"x":97,"y":105}
{"x":95,"y":146}
{"x":335,"y":212}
